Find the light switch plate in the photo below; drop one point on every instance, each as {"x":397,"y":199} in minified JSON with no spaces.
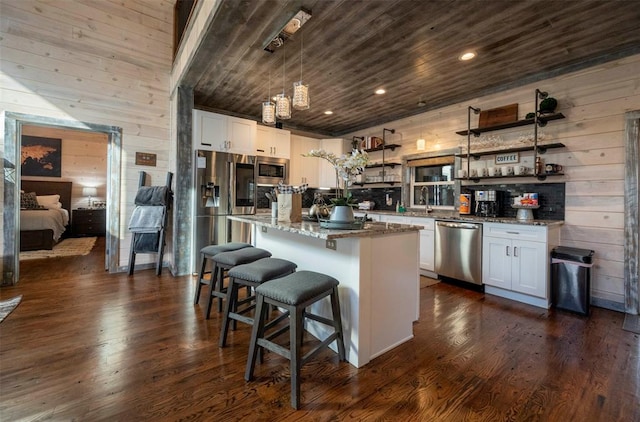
{"x":331,"y":244}
{"x":264,"y":229}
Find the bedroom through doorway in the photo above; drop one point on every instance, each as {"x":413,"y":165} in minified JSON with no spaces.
{"x":13,"y":128}
{"x":82,"y":157}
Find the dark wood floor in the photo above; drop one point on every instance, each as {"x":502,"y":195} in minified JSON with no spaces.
{"x":86,"y":345}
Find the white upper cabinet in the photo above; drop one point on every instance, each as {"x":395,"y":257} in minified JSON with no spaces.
{"x":217,"y":132}
{"x":272,"y":142}
{"x":327,"y":174}
{"x":241,"y":136}
{"x":304,"y":169}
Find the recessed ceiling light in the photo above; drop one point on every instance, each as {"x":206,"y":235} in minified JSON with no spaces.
{"x":380,"y":91}
{"x":467,"y":56}
{"x":328,"y":112}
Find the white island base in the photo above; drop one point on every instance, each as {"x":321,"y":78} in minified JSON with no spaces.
{"x":379,"y":284}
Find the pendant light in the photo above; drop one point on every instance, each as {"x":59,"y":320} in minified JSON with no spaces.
{"x":269,"y":108}
{"x":283,"y":103}
{"x":300,"y":90}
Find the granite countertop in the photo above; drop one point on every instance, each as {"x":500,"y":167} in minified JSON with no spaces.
{"x":454,"y":216}
{"x":313,"y":229}
{"x":446,"y":215}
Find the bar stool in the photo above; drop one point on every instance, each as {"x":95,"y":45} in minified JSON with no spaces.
{"x":249,"y":275}
{"x":294,"y":293}
{"x":207,"y":253}
{"x":224,"y":261}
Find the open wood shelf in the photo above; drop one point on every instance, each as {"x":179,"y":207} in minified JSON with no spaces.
{"x":390,"y":146}
{"x":542,"y":120}
{"x":541,"y":176}
{"x":392,"y":165}
{"x":541,"y":150}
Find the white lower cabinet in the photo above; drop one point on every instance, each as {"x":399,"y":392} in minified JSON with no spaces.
{"x":427,"y":243}
{"x":427,"y":239}
{"x":515,"y":261}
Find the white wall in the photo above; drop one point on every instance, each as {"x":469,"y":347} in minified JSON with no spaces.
{"x":594,"y":101}
{"x":106,"y":62}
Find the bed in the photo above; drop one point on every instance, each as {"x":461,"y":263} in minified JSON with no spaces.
{"x":42,"y":228}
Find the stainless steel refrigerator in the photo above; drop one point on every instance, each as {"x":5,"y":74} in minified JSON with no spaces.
{"x":225,"y":185}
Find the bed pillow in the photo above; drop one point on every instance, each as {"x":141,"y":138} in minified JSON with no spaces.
{"x":28,"y":201}
{"x":49,"y":201}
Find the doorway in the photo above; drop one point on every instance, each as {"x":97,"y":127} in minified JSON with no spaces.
{"x":13,"y":125}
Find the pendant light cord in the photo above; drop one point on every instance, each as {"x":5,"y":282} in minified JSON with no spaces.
{"x":284,"y":61}
{"x":301,"y":46}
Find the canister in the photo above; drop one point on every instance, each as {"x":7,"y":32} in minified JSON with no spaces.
{"x":465,"y":203}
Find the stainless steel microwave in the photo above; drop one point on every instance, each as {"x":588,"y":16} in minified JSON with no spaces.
{"x":271,"y":171}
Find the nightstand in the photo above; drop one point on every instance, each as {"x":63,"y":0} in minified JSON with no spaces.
{"x":89,"y":222}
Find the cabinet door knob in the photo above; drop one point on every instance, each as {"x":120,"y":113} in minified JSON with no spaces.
{"x":515,"y":251}
{"x":508,"y":251}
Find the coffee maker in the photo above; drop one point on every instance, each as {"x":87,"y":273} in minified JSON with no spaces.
{"x":487,"y":203}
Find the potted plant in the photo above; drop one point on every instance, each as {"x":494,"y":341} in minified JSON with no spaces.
{"x":548,"y":105}
{"x":347,"y":167}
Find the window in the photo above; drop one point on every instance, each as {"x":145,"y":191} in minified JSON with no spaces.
{"x":432,"y":181}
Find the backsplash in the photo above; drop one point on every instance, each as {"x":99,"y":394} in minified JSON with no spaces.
{"x":551,"y":197}
{"x":377,"y":195}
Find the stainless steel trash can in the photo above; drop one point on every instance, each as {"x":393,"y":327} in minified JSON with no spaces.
{"x":571,"y":279}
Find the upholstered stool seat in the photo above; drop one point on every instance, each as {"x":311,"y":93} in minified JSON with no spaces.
{"x":294,"y":293}
{"x":206,"y":254}
{"x":249,"y":275}
{"x":224,"y":261}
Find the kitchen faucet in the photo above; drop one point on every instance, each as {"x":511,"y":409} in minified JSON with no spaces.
{"x":424,"y":194}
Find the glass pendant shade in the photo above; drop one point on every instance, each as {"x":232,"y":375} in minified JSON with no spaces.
{"x":283,"y":106}
{"x":268,"y":113}
{"x":300,"y":96}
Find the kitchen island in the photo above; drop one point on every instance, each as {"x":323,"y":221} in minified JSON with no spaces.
{"x":377,"y":267}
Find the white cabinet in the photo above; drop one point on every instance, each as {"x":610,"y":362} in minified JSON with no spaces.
{"x":217,"y":132}
{"x":327,"y":174}
{"x":427,"y":239}
{"x":209,"y":130}
{"x":272,"y":142}
{"x":515,"y":261}
{"x":241,"y":136}
{"x":427,"y":243}
{"x":304,"y":169}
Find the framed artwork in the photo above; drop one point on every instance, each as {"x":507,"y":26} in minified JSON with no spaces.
{"x":41,"y":156}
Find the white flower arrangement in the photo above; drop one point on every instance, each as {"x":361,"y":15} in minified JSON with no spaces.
{"x":347,"y":167}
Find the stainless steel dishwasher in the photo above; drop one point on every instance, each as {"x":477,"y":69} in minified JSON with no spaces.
{"x":459,"y":251}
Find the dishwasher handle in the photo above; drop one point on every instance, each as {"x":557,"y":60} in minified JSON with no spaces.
{"x":452,"y":225}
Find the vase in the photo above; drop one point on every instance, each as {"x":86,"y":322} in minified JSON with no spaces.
{"x":342,"y":213}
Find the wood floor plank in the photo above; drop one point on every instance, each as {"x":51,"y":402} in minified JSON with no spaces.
{"x":88,"y":345}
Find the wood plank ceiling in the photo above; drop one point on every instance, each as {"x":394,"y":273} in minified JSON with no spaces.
{"x":410,"y":48}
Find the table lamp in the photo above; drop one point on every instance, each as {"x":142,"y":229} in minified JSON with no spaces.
{"x":89,"y":191}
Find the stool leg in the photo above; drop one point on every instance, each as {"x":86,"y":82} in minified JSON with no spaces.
{"x":220,"y":288}
{"x":337,"y":323}
{"x":295,"y":338}
{"x":196,"y":298}
{"x":256,"y":332}
{"x":212,"y":286}
{"x":230,"y":306}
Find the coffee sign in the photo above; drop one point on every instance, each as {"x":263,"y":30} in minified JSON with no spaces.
{"x":508,"y":158}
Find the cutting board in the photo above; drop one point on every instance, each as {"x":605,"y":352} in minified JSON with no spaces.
{"x":496,"y":116}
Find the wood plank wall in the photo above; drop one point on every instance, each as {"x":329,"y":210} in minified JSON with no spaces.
{"x":104,"y":62}
{"x":594,"y":101}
